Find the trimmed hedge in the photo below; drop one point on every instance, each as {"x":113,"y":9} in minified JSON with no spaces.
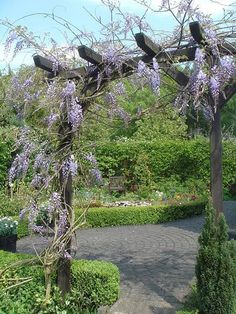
{"x":94,"y":283}
{"x":136,"y":215}
{"x":163,"y":160}
{"x":131,"y":215}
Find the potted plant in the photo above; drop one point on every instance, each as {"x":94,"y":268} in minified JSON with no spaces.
{"x":8,"y":234}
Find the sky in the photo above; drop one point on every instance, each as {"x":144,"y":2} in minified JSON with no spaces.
{"x":75,"y":12}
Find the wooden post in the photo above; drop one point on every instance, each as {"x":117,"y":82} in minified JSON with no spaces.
{"x":65,"y":145}
{"x":216,"y":162}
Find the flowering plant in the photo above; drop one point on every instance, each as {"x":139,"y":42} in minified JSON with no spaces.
{"x":8,"y":226}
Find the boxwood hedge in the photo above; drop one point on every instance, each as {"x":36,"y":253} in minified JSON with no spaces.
{"x":94,"y":283}
{"x":132,"y":215}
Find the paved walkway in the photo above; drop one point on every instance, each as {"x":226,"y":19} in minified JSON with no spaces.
{"x":156,"y":261}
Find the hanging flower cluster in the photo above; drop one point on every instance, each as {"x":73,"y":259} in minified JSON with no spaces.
{"x":21,"y":162}
{"x":152,"y":75}
{"x":95,"y":173}
{"x":207,"y":81}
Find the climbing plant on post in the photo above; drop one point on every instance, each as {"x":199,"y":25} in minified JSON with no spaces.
{"x":222,"y":88}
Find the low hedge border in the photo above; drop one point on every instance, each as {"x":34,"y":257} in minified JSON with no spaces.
{"x":137,"y":215}
{"x":94,"y":284}
{"x":132,"y":215}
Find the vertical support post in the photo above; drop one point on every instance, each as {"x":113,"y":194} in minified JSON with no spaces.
{"x":216,"y":162}
{"x":65,"y":146}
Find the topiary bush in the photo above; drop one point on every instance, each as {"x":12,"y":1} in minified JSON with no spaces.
{"x":215,"y":268}
{"x":94,"y":283}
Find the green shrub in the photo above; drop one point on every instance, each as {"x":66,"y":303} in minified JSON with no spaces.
{"x":215,"y":268}
{"x":22,"y":228}
{"x":98,"y":281}
{"x":133,"y":215}
{"x":181,"y":160}
{"x":12,"y":206}
{"x":94,"y":283}
{"x":5,"y":160}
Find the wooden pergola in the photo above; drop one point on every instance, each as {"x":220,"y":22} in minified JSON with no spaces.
{"x":167,"y":60}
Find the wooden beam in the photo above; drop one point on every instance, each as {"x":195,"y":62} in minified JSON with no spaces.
{"x":169,"y":56}
{"x":45,"y":64}
{"x":178,"y":76}
{"x":147,"y":45}
{"x":90,"y":55}
{"x":197,"y":32}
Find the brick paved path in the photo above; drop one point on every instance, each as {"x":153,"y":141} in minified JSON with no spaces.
{"x":156,"y":261}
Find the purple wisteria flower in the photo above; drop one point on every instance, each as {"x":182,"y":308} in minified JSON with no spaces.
{"x":37,"y":181}
{"x":119,"y":89}
{"x":198,"y":83}
{"x":152,"y":75}
{"x":112,"y":55}
{"x":75,"y":114}
{"x":69,"y":90}
{"x":121,"y":113}
{"x":69,"y":166}
{"x":54,"y":202}
{"x":41,"y":162}
{"x":12,"y":36}
{"x":199,"y":59}
{"x":212,"y":39}
{"x":227,"y":68}
{"x":53,"y":117}
{"x":96,"y":175}
{"x":90,"y":157}
{"x":214,"y":85}
{"x":110,"y":98}
{"x":62,"y":222}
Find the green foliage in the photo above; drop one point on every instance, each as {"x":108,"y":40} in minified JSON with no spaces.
{"x":215,"y":269}
{"x":22,"y":228}
{"x":94,"y":283}
{"x":115,"y":216}
{"x":183,"y":160}
{"x":118,"y":216}
{"x":8,"y":226}
{"x":6,"y":143}
{"x":11,"y":206}
{"x":97,"y":281}
{"x":229,"y":118}
{"x":163,"y":124}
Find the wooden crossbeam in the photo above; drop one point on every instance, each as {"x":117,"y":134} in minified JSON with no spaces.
{"x":147,"y":45}
{"x":178,"y":76}
{"x":45,"y":64}
{"x":90,"y":55}
{"x":169,"y":56}
{"x":197,"y":32}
